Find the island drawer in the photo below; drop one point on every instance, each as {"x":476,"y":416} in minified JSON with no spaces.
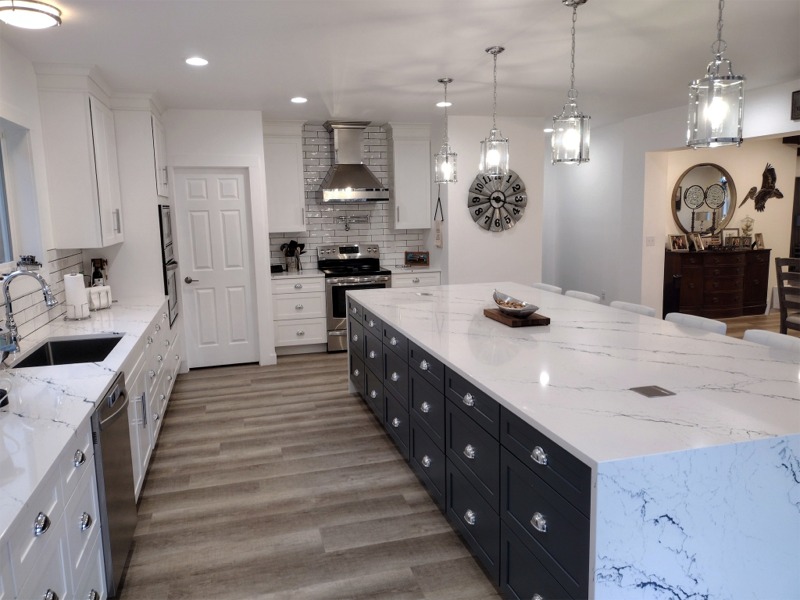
{"x":372,"y":324}
{"x":396,"y":341}
{"x":428,"y":405}
{"x":358,"y":375}
{"x":472,"y":516}
{"x":374,"y":395}
{"x":355,"y":310}
{"x":427,"y":461}
{"x":397,"y":423}
{"x":478,"y":405}
{"x":561,"y":470}
{"x":475,"y":452}
{"x":373,"y":354}
{"x":426,"y":365}
{"x":549,"y":525}
{"x":522,"y":575}
{"x":395,"y":375}
{"x":355,"y":341}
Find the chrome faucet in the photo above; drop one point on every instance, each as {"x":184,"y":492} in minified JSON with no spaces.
{"x":9,"y":336}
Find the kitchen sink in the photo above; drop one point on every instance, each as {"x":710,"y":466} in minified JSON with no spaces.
{"x":69,"y":350}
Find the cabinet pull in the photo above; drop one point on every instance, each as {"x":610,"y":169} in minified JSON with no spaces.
{"x":373,"y":394}
{"x":151,"y":373}
{"x":395,"y":422}
{"x":158,"y":327}
{"x":78,"y":459}
{"x":372,"y":354}
{"x":393,"y":341}
{"x":353,"y":309}
{"x":537,"y":597}
{"x":468,"y":399}
{"x":298,"y":286}
{"x":156,"y":417}
{"x":355,"y":337}
{"x":424,"y":365}
{"x":159,"y":358}
{"x":166,"y":343}
{"x":300,"y":333}
{"x":149,"y":340}
{"x":298,"y":307}
{"x":93,"y":595}
{"x":425,"y":407}
{"x":398,"y":213}
{"x":395,"y":376}
{"x":117,"y":221}
{"x":469,"y":451}
{"x":539,"y":522}
{"x":426,"y":461}
{"x":356,"y":373}
{"x":371,"y":323}
{"x":41,"y":524}
{"x":85,"y":521}
{"x":50,"y":595}
{"x":162,"y":397}
{"x":415,"y":280}
{"x":539,"y":455}
{"x":470,"y":517}
{"x":169,"y":377}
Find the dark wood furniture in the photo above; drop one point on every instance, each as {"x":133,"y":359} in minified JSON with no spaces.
{"x":788,"y":274}
{"x":716,"y":284}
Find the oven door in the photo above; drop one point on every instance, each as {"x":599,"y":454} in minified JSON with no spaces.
{"x":171,"y":276}
{"x":336,"y":304}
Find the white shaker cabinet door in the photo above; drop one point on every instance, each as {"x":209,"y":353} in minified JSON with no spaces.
{"x":109,"y":198}
{"x":160,"y":157}
{"x":283,"y":162}
{"x":410,"y":161}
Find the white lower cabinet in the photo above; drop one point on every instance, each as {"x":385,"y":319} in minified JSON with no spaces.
{"x":298,"y":305}
{"x":402,"y":280}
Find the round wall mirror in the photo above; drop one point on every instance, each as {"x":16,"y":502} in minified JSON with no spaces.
{"x":703,"y":199}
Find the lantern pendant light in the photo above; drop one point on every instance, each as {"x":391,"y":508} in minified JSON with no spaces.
{"x":494,"y":149}
{"x":444,"y":165}
{"x":716,"y":102}
{"x":570,"y":138}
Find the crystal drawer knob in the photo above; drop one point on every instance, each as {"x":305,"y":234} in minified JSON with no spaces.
{"x":393,"y":341}
{"x":85,"y":521}
{"x":425,"y":407}
{"x":298,"y":286}
{"x":371,"y":323}
{"x":356,"y":373}
{"x":469,"y":451}
{"x":372,"y":354}
{"x":355,"y":337}
{"x":373,"y":394}
{"x":78,"y":459}
{"x":537,"y":597}
{"x":298,"y":307}
{"x":426,"y":461}
{"x":41,"y":524}
{"x":539,"y":455}
{"x":424,"y":365}
{"x":93,"y":595}
{"x":539,"y":522}
{"x":415,"y":280}
{"x":159,"y":358}
{"x":50,"y":595}
{"x":354,"y":310}
{"x":166,"y":343}
{"x":468,"y":399}
{"x":395,"y":422}
{"x":470,"y":517}
{"x":300,"y":333}
{"x":395,"y":376}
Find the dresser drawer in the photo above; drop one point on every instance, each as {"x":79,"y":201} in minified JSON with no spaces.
{"x":372,"y":324}
{"x":355,"y":339}
{"x":734,"y":272}
{"x":478,"y":405}
{"x":716,"y":300}
{"x":397,"y":423}
{"x":429,"y":406}
{"x":722,"y":284}
{"x":358,"y":374}
{"x":475,"y":452}
{"x":522,"y":575}
{"x":474,"y":518}
{"x":426,"y":365}
{"x":300,"y":332}
{"x":375,"y":396}
{"x":547,"y":523}
{"x":373,"y":354}
{"x":561,"y":470}
{"x":427,"y":460}
{"x":395,"y":341}
{"x":395,"y":375}
{"x":724,"y":259}
{"x":299,"y":306}
{"x":298,"y":285}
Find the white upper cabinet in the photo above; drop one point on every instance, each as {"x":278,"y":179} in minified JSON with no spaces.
{"x":410,"y":164}
{"x":283,"y":161}
{"x":81,"y":161}
{"x":160,"y":157}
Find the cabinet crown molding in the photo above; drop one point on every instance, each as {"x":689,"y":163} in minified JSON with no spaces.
{"x":282,"y":128}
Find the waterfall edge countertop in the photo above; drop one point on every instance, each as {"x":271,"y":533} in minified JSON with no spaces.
{"x":696,"y":492}
{"x":48,"y":404}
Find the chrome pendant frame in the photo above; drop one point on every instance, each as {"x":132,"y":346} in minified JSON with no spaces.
{"x":445,"y":163}
{"x":494,"y":157}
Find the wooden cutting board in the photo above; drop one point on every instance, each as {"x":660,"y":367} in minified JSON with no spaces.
{"x":531,"y":320}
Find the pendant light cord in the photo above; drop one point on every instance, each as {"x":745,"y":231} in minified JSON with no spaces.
{"x":719,"y":46}
{"x":494,"y":102}
{"x":446,"y":136}
{"x":573,"y":93}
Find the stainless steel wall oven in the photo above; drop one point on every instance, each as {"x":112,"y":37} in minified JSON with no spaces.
{"x":169,"y":265}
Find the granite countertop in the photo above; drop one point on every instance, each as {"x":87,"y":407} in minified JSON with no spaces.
{"x":48,"y":404}
{"x":572,"y":379}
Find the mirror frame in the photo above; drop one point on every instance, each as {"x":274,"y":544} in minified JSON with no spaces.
{"x":731,"y":192}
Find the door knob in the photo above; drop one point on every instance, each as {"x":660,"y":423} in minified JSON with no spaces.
{"x":188,"y":279}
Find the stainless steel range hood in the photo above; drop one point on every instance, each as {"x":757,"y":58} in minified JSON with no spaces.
{"x":349,"y":180}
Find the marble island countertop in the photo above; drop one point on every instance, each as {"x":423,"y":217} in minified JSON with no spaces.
{"x":572,"y":379}
{"x":48,"y":404}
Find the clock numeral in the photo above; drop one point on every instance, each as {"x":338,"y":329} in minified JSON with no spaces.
{"x":478,"y":211}
{"x":497,"y":222}
{"x":519,"y":199}
{"x":508,"y":179}
{"x":507,"y":219}
{"x":516,"y":211}
{"x":476,"y":199}
{"x":516,"y":187}
{"x":487,"y":219}
{"x":478,"y":186}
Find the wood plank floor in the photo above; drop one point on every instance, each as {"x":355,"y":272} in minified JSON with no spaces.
{"x":276,"y":483}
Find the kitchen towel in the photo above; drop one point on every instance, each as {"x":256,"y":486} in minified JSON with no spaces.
{"x":99,"y":297}
{"x":76,"y":302}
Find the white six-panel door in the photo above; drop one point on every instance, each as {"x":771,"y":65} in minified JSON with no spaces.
{"x":217,"y":289}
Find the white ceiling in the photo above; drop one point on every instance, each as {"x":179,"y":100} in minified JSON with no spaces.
{"x":379,"y":60}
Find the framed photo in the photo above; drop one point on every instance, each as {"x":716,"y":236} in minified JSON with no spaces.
{"x":728,"y":235}
{"x":796,"y":106}
{"x":746,"y":242}
{"x":696,"y":242}
{"x":678,"y":243}
{"x":713,"y":241}
{"x":734,"y":241}
{"x":759,"y":241}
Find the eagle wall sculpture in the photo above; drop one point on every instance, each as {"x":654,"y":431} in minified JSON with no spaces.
{"x":767,"y":191}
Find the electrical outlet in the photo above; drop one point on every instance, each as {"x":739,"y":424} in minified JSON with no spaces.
{"x":650,"y":241}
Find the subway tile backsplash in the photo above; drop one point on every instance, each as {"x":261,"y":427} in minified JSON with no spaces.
{"x":323,"y":224}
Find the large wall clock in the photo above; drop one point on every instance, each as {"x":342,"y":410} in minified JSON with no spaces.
{"x":496,"y":203}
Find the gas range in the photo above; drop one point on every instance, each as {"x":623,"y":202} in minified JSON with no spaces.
{"x":350,"y":260}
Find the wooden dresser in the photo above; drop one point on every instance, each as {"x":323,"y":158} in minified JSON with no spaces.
{"x":716,"y":284}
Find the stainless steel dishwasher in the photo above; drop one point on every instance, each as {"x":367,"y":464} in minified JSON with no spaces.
{"x":112,"y":452}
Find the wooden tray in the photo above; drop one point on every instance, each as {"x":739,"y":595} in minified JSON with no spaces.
{"x":532,"y":320}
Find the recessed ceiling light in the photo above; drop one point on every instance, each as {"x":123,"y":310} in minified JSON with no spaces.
{"x":299,"y":100}
{"x":548,"y":130}
{"x":29,"y":14}
{"x":196,"y":61}
{"x":444,"y":104}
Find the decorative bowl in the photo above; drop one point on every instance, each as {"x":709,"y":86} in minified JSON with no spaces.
{"x":512,"y":306}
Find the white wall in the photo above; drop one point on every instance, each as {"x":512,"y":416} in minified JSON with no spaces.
{"x":222,"y":138}
{"x":474,"y":254}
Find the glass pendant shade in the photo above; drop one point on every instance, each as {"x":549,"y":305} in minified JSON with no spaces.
{"x":494,"y":154}
{"x":29,"y":14}
{"x":716,"y":108}
{"x":445,"y":166}
{"x":570,"y":138}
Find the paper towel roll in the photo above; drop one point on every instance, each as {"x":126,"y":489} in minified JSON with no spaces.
{"x":75,"y":296}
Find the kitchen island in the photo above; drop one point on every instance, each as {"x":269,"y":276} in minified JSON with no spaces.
{"x":692,"y":495}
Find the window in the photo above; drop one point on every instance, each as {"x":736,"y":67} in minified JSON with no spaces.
{"x":6,"y":250}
